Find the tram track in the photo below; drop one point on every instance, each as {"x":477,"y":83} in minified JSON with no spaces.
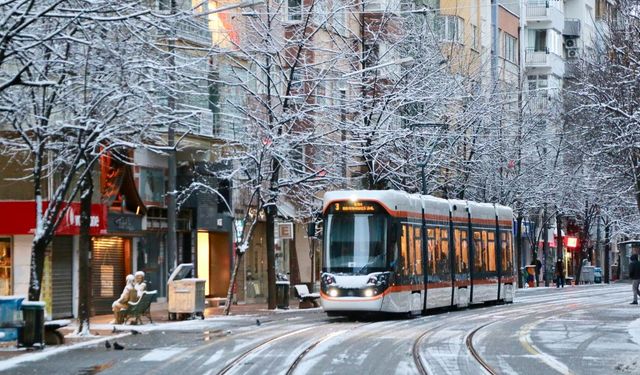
{"x":309,"y":348}
{"x":474,"y":352}
{"x":240,"y":358}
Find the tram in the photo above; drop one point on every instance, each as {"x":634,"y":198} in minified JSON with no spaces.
{"x":393,"y":252}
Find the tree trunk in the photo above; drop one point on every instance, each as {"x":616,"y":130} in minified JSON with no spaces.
{"x":37,"y":267}
{"x":232,"y":282}
{"x":520,"y":263}
{"x":85,"y":251}
{"x":271,"y":257}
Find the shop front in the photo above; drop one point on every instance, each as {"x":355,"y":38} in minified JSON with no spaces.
{"x":59,"y":289}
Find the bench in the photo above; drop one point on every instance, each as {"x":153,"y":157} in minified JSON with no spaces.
{"x":51,"y":334}
{"x":307,"y":300}
{"x":140,"y":308}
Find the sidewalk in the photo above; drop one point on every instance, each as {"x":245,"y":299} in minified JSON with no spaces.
{"x":101,"y":329}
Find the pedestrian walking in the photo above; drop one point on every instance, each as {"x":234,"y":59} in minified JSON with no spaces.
{"x":634,"y":274}
{"x":559,"y":273}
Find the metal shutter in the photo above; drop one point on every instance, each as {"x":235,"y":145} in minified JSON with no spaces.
{"x":62,"y":277}
{"x":107,"y":272}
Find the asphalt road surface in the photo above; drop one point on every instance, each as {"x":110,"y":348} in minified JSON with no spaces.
{"x":576,"y":330}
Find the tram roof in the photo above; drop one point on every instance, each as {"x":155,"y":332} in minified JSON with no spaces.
{"x":402,"y":201}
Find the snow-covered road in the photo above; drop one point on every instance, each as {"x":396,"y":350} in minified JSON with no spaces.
{"x":575,"y":330}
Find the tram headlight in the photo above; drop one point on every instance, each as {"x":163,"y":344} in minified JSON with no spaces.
{"x":333,"y":292}
{"x":368,"y":292}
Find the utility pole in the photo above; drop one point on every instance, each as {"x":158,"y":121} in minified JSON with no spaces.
{"x":545,"y":247}
{"x":519,"y":248}
{"x":171,"y":247}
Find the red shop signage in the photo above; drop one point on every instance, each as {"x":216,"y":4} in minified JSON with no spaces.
{"x":19,"y":217}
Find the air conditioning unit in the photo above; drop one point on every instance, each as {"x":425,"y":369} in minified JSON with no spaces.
{"x":572,"y":54}
{"x":571,"y":43}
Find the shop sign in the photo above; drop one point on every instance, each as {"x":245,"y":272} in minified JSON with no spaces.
{"x":285,"y":231}
{"x":19,"y":217}
{"x":124,"y":222}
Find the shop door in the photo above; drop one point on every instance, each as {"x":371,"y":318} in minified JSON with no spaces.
{"x":107,"y":273}
{"x":219,"y":264}
{"x":62,"y":277}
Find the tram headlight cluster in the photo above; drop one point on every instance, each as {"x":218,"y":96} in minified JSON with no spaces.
{"x":368,"y":292}
{"x":333,"y":292}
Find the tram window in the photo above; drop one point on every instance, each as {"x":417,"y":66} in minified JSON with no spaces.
{"x":402,"y":262}
{"x":507,"y":254}
{"x":411,"y":269}
{"x":418,"y":250}
{"x":478,"y":251}
{"x":443,"y":259}
{"x":465,"y":252}
{"x":456,"y":238}
{"x":491,"y":251}
{"x":431,"y":242}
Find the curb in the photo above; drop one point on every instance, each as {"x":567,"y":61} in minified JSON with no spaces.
{"x":36,"y":356}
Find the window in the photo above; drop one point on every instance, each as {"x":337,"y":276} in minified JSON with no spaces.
{"x":478,"y":252}
{"x":462,"y":251}
{"x":404,"y":253}
{"x":339,"y":20}
{"x":507,"y":253}
{"x":491,"y":251}
{"x":152,"y":185}
{"x":443,"y":255}
{"x":417,"y":257}
{"x":510,"y":48}
{"x":5,"y":266}
{"x":294,"y":10}
{"x":474,"y":37}
{"x":451,"y":28}
{"x":538,"y":82}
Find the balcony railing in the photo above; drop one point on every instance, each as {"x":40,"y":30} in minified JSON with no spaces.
{"x":538,"y":9}
{"x":533,"y":57}
{"x":193,"y":31}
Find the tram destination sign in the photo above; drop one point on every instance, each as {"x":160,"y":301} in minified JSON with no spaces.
{"x":355,"y":207}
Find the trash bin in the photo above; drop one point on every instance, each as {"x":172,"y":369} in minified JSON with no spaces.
{"x":597,"y":275}
{"x":531,"y":271}
{"x":10,"y":317}
{"x":186,"y":295}
{"x":282,"y":294}
{"x":32,"y":333}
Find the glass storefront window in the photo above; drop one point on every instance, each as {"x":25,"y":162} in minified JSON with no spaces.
{"x":152,"y":186}
{"x":5,"y":266}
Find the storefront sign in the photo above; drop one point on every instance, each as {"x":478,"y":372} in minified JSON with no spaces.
{"x":285,"y":231}
{"x":124,"y":223}
{"x":19,"y":217}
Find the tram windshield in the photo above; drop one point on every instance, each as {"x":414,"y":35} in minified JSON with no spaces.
{"x":355,"y":243}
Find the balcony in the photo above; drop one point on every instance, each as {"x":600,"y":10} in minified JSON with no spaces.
{"x":571,"y":27}
{"x":544,"y":61}
{"x":382,"y":6}
{"x":542,"y":14}
{"x":193,"y":31}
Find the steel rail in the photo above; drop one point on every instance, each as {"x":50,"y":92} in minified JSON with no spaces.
{"x":324,"y":338}
{"x":474,"y":352}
